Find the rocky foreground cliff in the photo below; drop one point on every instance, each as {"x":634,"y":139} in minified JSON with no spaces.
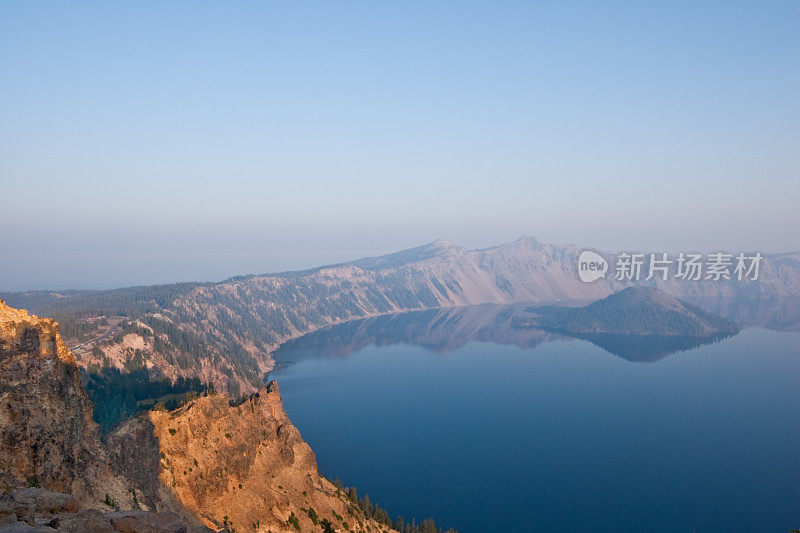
{"x":211,"y":465}
{"x":236,"y":465}
{"x":47,"y":436}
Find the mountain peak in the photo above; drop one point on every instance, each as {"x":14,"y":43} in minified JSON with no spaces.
{"x":652,"y":295}
{"x":527,"y":239}
{"x":442,"y":243}
{"x":437,"y":248}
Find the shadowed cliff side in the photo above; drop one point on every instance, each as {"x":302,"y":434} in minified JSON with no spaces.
{"x":47,"y":436}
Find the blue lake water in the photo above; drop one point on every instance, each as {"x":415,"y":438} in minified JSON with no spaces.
{"x":486,"y":427}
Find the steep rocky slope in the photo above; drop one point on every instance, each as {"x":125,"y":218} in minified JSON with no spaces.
{"x":225,"y":332}
{"x":244,"y":467}
{"x":240,"y":466}
{"x":47,"y":436}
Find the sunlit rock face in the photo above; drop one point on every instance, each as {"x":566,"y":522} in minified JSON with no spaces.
{"x":237,"y":464}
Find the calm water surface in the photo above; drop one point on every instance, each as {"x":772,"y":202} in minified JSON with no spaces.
{"x":489,"y":428}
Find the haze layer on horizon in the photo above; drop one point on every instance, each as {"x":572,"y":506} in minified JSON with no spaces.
{"x":156,"y":143}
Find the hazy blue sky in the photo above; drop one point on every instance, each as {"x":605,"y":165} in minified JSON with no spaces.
{"x":146,"y":142}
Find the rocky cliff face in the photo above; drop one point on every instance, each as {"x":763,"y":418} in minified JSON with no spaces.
{"x":55,"y":474}
{"x":35,"y":510}
{"x":238,"y":466}
{"x":47,"y":436}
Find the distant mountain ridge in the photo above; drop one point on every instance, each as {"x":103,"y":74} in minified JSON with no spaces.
{"x":225,"y":332}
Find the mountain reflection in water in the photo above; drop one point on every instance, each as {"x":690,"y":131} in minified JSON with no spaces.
{"x":444,"y":330}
